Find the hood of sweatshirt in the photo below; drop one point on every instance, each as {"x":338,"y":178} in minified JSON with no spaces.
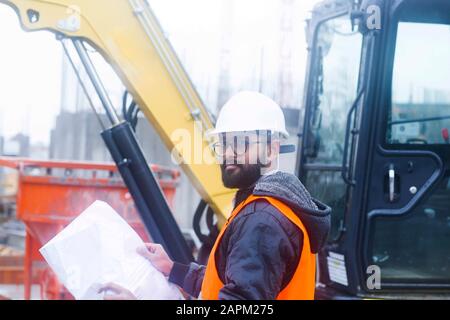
{"x":286,"y":187}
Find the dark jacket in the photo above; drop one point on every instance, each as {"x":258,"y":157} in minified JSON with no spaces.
{"x":261,"y":248}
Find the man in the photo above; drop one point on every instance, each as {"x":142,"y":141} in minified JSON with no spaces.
{"x":267,"y":249}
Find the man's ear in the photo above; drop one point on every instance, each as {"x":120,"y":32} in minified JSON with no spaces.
{"x":271,"y":153}
{"x":274,"y":149}
{"x":264,"y":155}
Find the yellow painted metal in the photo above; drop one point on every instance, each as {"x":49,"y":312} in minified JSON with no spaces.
{"x":130,"y":38}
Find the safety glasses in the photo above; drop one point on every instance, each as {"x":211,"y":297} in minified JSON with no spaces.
{"x":239,"y":144}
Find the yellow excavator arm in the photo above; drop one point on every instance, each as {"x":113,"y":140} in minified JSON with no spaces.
{"x":129,"y":37}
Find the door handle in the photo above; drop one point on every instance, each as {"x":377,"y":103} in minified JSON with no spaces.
{"x":391,"y":183}
{"x":345,"y":168}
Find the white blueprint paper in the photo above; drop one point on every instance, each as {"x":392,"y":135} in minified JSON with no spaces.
{"x":99,"y":247}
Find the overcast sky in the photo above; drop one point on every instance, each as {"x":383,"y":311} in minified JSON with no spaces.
{"x":30,"y":63}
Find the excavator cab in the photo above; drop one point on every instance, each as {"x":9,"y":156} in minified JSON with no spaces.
{"x":375,"y":145}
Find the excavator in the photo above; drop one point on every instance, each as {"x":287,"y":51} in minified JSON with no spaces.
{"x":374,"y":140}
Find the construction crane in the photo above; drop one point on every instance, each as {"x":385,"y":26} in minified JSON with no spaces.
{"x":379,"y":159}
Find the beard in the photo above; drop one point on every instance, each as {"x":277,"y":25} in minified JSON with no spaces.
{"x":240,"y":176}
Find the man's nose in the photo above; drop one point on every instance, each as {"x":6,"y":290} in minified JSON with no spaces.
{"x":229,"y":155}
{"x":229,"y":152}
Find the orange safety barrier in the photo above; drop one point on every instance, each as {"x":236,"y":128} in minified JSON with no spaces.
{"x":52,"y":193}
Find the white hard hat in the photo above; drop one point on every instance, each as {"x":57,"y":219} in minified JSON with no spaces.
{"x":250,"y":111}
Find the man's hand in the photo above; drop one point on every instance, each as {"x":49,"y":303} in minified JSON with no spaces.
{"x":120,"y":293}
{"x":158,"y":257}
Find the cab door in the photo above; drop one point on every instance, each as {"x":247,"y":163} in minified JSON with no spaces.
{"x":406,"y":233}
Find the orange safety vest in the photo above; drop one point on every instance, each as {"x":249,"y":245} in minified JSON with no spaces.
{"x":302,"y":284}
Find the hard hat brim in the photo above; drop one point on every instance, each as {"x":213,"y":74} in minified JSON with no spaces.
{"x":213,"y":132}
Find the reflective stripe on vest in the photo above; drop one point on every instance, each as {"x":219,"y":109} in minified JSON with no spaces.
{"x":302,"y":284}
